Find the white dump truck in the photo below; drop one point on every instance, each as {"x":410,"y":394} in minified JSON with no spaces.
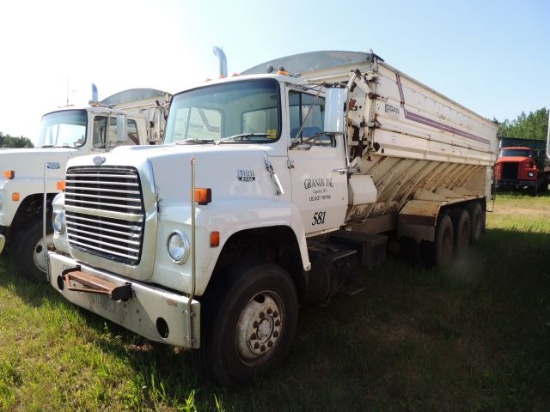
{"x":278,"y":187}
{"x":134,"y":116}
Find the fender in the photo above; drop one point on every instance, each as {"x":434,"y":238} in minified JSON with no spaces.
{"x":227,"y":218}
{"x":28,"y":177}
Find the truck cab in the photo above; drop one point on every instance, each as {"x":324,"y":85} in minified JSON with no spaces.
{"x":522,"y":164}
{"x":29,"y":176}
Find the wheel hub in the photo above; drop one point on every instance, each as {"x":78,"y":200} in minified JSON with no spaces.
{"x":39,"y":254}
{"x":259,"y":327}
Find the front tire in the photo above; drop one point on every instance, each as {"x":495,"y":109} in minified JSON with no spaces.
{"x":28,"y":257}
{"x":248,"y":323}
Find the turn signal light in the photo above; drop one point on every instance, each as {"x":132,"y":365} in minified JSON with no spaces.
{"x":203,"y":196}
{"x":9,"y":174}
{"x":60,"y":184}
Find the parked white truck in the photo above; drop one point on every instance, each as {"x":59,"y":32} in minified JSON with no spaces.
{"x":134,"y":116}
{"x":280,"y":187}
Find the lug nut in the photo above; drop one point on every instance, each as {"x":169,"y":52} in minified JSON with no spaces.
{"x":275,"y":334}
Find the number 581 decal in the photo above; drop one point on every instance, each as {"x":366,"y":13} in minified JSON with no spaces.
{"x":318,"y":218}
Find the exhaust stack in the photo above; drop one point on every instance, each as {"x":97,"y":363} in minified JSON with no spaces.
{"x":223,"y":61}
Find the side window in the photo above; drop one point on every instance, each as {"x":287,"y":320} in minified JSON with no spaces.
{"x":306,"y":119}
{"x":105,"y":137}
{"x":132,"y":132}
{"x":100,"y":132}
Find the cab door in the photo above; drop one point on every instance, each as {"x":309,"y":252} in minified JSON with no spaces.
{"x":318,"y":166}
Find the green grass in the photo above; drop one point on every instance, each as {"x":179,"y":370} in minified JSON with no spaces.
{"x":474,"y":336}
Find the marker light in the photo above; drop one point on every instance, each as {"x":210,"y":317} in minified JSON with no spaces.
{"x":9,"y":174}
{"x":15,"y":196}
{"x":203,"y":196}
{"x":60,"y":184}
{"x":214,"y":239}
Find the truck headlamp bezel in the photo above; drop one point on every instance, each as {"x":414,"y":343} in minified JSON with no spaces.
{"x":178,"y":247}
{"x":58,"y":222}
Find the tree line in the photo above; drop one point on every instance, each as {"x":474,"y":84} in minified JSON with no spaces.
{"x":527,"y":126}
{"x":7,"y":141}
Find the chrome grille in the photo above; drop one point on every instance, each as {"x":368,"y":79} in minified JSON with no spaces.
{"x":104,"y":212}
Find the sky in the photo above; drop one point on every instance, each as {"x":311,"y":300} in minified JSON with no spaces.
{"x":492,"y":56}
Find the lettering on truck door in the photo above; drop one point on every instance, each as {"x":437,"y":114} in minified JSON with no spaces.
{"x":319,"y":187}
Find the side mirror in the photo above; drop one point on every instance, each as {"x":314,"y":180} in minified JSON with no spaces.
{"x":335,"y":101}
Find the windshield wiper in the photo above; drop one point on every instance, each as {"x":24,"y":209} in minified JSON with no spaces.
{"x":54,"y":146}
{"x":195,"y":141}
{"x":240,"y":137}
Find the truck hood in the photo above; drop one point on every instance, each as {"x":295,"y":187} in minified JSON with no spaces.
{"x":229,"y":170}
{"x":513,"y":159}
{"x":29,"y":151}
{"x":30,"y":162}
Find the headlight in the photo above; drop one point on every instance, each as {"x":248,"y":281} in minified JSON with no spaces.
{"x":531,"y":174}
{"x":178,"y":247}
{"x":59,"y":222}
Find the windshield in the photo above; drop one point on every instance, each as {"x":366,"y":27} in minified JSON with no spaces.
{"x":515,"y":153}
{"x":237,"y":112}
{"x":64,"y":128}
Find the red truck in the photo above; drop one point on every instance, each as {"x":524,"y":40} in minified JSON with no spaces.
{"x":522,"y":164}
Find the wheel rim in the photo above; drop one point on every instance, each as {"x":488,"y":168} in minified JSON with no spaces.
{"x":38,"y":256}
{"x":259,"y":328}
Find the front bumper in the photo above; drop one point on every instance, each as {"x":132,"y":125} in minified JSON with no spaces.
{"x":152,"y":312}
